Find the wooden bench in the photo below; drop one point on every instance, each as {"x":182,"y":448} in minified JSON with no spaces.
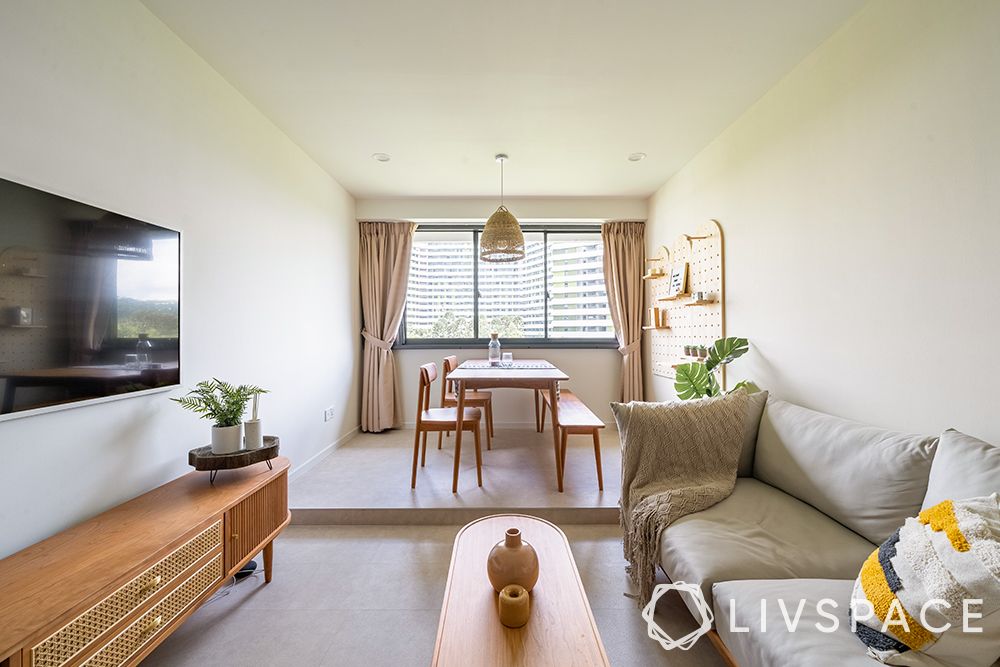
{"x":575,"y":418}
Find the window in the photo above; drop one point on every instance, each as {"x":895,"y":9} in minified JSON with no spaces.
{"x":555,"y":296}
{"x":146,"y":299}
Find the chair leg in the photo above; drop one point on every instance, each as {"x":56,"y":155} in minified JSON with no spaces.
{"x":423,"y":451}
{"x":489,"y":425}
{"x":541,"y":422}
{"x":558,"y":447}
{"x":479,"y":457}
{"x":597,"y":458}
{"x":416,"y":453}
{"x":440,"y":437}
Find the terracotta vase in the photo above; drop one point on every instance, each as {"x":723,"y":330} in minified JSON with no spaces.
{"x":512,"y":561}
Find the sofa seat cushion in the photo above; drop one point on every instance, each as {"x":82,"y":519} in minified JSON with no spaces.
{"x":776,"y":645}
{"x":759,"y":532}
{"x":867,"y":478}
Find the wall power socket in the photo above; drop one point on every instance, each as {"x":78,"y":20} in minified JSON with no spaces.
{"x":328,"y":414}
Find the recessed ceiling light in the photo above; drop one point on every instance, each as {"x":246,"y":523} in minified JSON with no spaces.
{"x":384,"y":157}
{"x":635,"y":157}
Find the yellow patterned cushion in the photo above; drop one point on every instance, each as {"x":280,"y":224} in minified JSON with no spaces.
{"x":911,"y":597}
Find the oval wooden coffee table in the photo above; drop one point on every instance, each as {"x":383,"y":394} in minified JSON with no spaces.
{"x":561,"y":629}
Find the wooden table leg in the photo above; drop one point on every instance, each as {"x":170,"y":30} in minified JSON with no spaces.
{"x":538,"y":426}
{"x":554,"y":400}
{"x":268,"y":561}
{"x":459,"y":413}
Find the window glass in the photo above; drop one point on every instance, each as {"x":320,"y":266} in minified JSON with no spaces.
{"x":439,"y":298}
{"x":512,"y":294}
{"x":578,"y":302}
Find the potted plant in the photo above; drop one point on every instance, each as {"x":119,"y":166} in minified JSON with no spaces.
{"x":224,"y":404}
{"x":702,"y":352}
{"x":697,"y":379}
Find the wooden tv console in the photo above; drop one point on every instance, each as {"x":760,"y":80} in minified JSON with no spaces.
{"x":105,"y":593}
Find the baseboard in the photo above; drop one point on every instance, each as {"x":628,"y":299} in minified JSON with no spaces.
{"x":323,"y":453}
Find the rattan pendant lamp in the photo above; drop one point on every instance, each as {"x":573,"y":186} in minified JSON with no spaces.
{"x":501,"y":240}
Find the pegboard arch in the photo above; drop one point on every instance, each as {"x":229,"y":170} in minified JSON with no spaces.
{"x":690,"y":322}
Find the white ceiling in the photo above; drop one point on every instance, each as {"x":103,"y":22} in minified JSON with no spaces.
{"x":567,"y":87}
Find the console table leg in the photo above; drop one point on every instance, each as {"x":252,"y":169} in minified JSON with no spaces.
{"x":268,"y":561}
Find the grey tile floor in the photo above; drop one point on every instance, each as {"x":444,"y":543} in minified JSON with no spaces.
{"x":370,"y":596}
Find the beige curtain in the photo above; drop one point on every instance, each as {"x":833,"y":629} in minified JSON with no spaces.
{"x":624,"y":255}
{"x":385,"y":267}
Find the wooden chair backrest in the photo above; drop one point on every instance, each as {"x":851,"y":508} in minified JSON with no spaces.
{"x":450,"y":363}
{"x":428,"y":373}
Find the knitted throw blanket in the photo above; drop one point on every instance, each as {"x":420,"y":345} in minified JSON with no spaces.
{"x":677,"y":459}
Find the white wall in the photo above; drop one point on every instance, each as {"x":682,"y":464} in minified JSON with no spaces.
{"x":101,"y":103}
{"x":860,"y":199}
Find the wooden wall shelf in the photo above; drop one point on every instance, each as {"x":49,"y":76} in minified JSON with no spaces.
{"x":675,"y":297}
{"x":704,"y":302}
{"x":652,"y":328}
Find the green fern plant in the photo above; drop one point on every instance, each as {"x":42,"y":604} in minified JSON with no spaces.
{"x":219,"y":401}
{"x":698,"y":380}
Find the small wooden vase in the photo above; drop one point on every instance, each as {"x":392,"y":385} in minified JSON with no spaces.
{"x":514,"y":606}
{"x":512,"y":561}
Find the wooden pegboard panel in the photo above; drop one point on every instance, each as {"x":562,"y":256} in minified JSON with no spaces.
{"x":690,"y":323}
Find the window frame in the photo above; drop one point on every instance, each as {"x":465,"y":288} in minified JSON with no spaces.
{"x":546,"y":342}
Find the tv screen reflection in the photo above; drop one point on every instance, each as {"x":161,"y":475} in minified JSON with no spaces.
{"x":89,"y":302}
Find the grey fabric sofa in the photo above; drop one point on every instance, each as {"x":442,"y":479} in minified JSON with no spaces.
{"x":815,"y":495}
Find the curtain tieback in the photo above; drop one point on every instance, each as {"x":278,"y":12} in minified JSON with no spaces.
{"x":630,"y":348}
{"x":377,"y":342}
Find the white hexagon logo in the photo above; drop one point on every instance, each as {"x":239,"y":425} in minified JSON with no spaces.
{"x":687,"y":641}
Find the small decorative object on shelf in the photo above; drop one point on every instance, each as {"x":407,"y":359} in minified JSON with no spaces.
{"x":202,"y":458}
{"x":253,"y":432}
{"x":512,"y":561}
{"x":224,"y":404}
{"x":514,"y":605}
{"x":657,"y":264}
{"x":494,"y":349}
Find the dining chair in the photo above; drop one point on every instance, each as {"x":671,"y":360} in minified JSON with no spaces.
{"x":474,"y":399}
{"x":441,"y":419}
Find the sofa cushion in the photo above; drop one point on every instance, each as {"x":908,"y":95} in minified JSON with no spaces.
{"x":755,"y":408}
{"x":924,"y":573}
{"x":867,"y":478}
{"x":759,"y":532}
{"x":963,"y":467}
{"x":776,"y":645}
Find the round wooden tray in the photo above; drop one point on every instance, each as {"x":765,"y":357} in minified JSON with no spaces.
{"x":202,"y":458}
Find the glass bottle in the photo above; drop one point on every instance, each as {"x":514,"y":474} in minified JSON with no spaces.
{"x":494,"y":349}
{"x":143,"y":351}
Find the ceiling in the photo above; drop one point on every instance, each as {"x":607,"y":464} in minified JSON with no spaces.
{"x":568,"y":88}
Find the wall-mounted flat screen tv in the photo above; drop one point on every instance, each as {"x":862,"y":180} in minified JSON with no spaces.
{"x":89,"y":303}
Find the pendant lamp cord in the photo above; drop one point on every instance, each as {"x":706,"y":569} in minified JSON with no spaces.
{"x":501,"y":182}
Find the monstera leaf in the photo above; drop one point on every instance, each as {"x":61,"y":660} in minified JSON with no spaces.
{"x":694,"y":381}
{"x":726,"y":350}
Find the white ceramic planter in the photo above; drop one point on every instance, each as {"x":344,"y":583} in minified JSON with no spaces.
{"x":253,"y":434}
{"x":227,"y":439}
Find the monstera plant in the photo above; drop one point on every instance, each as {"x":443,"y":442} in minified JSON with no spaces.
{"x":698,"y":380}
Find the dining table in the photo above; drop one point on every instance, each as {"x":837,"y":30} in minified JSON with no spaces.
{"x":536,"y":374}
